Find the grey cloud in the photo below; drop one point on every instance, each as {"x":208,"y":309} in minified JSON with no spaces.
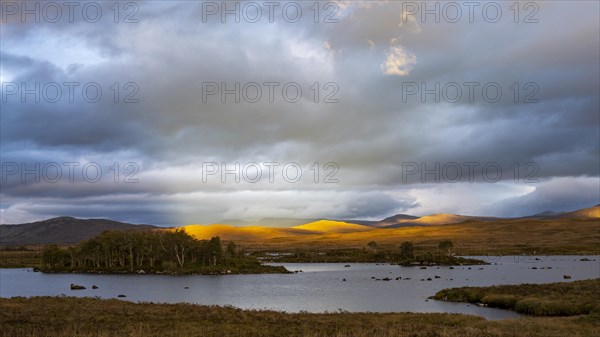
{"x":369,"y":133}
{"x":559,"y":194}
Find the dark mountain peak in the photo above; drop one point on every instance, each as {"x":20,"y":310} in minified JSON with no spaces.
{"x":62,"y":230}
{"x":400,"y":217}
{"x":548,"y":213}
{"x":59,"y":218}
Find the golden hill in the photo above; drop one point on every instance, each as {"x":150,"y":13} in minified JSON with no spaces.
{"x":441,"y":219}
{"x":258,"y":233}
{"x":592,"y":212}
{"x":228,"y":232}
{"x":330,"y":226}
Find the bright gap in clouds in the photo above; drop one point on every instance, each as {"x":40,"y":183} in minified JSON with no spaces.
{"x":48,"y":46}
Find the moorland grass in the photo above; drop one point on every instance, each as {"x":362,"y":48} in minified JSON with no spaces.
{"x":73,"y":317}
{"x":554,"y":299}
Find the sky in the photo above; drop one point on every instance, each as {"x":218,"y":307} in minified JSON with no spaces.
{"x":171,"y":113}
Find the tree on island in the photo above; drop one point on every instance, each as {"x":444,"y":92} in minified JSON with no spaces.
{"x":407,"y":250}
{"x":373,"y":246}
{"x":446,"y":246}
{"x":231,"y":249}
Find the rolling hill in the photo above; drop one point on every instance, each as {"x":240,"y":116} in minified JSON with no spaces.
{"x":61,"y":230}
{"x":267,"y":222}
{"x":331,"y":226}
{"x":396,"y":219}
{"x":592,"y":212}
{"x":252,"y":233}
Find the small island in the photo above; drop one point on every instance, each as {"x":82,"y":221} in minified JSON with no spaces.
{"x":171,"y":252}
{"x":407,"y":254}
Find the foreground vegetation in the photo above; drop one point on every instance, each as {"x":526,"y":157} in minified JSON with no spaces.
{"x":172,"y":252}
{"x":554,"y":299}
{"x":66,"y":316}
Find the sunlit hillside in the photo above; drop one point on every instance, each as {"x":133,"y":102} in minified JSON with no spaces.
{"x":441,"y":219}
{"x":560,"y":232}
{"x":592,"y":212}
{"x":228,"y":232}
{"x":330,"y":226}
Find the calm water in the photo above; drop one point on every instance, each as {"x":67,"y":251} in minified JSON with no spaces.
{"x":319,"y":288}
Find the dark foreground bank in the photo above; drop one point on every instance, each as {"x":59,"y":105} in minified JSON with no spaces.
{"x":67,"y":316}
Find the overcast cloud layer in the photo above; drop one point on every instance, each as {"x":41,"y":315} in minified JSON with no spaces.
{"x":370,"y":138}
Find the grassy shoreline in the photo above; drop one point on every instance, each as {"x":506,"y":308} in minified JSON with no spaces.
{"x":551,"y":299}
{"x":220,"y":270}
{"x":68,"y":316}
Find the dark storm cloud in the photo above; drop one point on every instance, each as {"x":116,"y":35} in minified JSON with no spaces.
{"x":370,"y":133}
{"x":560,"y":194}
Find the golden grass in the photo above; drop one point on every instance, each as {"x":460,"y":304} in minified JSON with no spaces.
{"x":72,"y":317}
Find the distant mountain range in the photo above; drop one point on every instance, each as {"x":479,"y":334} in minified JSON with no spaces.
{"x":67,"y":230}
